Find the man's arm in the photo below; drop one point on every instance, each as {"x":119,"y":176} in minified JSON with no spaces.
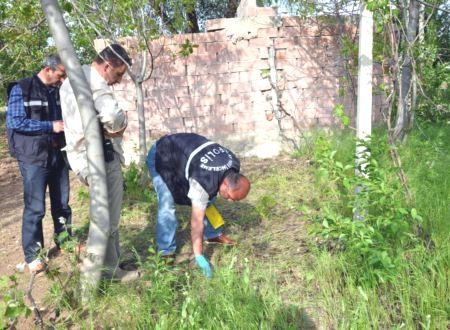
{"x":113,"y":118}
{"x":197,"y":228}
{"x":16,"y":117}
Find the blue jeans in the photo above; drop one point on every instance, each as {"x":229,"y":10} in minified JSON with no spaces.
{"x":35,"y":182}
{"x":166,"y":222}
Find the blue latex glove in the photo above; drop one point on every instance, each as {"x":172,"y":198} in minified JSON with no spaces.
{"x":203,"y":263}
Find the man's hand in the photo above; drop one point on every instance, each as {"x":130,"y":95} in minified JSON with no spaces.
{"x":204,"y":265}
{"x":58,"y":126}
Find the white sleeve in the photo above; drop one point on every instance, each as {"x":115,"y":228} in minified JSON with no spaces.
{"x":109,"y":112}
{"x":198,"y":196}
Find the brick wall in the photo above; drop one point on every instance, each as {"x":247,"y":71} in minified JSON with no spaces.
{"x":223,"y":89}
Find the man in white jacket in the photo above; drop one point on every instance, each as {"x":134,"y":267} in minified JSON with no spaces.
{"x":107,"y":69}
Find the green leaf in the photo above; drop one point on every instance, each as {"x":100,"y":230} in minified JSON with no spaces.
{"x":265,"y":73}
{"x":4,"y":280}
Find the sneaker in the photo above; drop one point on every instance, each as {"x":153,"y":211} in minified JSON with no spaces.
{"x":36,"y":266}
{"x":221,"y":239}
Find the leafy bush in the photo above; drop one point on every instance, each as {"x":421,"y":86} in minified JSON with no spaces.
{"x":365,"y":215}
{"x":12,"y":305}
{"x":137,"y":188}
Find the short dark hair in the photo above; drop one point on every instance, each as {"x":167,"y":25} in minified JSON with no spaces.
{"x":52,"y":61}
{"x":114,"y":54}
{"x":233,"y":179}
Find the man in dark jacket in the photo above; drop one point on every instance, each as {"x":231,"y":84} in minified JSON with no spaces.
{"x":35,"y":137}
{"x":188,"y":169}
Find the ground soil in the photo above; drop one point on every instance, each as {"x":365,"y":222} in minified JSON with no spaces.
{"x":11,"y":201}
{"x":11,"y":206}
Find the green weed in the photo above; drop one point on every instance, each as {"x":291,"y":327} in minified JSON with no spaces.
{"x":375,"y":271}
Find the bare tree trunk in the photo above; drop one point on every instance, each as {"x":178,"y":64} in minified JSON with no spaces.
{"x":192,"y":22}
{"x":405,"y":84}
{"x":141,"y":119}
{"x":99,"y":209}
{"x":138,"y":80}
{"x":231,"y":8}
{"x":420,"y":39}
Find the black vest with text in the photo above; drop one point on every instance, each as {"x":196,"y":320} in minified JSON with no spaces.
{"x":188,"y":155}
{"x":31,"y":147}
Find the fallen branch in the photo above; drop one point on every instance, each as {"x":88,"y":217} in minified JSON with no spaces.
{"x":34,"y":308}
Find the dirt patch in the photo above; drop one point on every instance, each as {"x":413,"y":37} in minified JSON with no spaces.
{"x":11,"y":205}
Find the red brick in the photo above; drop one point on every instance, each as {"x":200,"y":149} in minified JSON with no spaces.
{"x":248,"y":65}
{"x":268,"y":33}
{"x":333,"y":70}
{"x":292,"y":21}
{"x":289,"y":32}
{"x":309,"y":31}
{"x":261,"y":85}
{"x":220,"y":35}
{"x":179,"y":39}
{"x":207,"y":68}
{"x":215,"y":24}
{"x":157,"y":133}
{"x":245,"y":76}
{"x":263,"y":52}
{"x":229,"y":55}
{"x":198,"y":38}
{"x":233,"y":97}
{"x":224,"y":130}
{"x":223,"y":89}
{"x":167,"y":92}
{"x":195,"y":101}
{"x":284,"y":43}
{"x":201,"y":58}
{"x":260,"y":42}
{"x":174,"y":123}
{"x":216,"y":47}
{"x":204,"y":90}
{"x":245,"y":127}
{"x":237,"y":88}
{"x":171,"y":82}
{"x":173,"y":70}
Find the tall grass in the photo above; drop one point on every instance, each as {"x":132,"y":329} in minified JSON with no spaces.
{"x":416,"y":295}
{"x":281,"y":275}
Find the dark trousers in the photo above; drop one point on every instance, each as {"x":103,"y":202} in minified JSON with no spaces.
{"x":35,"y":182}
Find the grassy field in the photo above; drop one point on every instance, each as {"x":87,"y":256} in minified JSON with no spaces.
{"x":299,"y":264}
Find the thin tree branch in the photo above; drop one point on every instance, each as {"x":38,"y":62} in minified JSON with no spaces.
{"x":434,"y":6}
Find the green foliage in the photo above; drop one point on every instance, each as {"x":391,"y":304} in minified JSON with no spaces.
{"x":434,"y":78}
{"x":265,"y":73}
{"x":339,"y":113}
{"x":187,"y":48}
{"x":399,"y":279}
{"x":133,"y":184}
{"x":372,"y":244}
{"x":83,"y":194}
{"x":23,"y":41}
{"x":12,"y":304}
{"x":265,"y":206}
